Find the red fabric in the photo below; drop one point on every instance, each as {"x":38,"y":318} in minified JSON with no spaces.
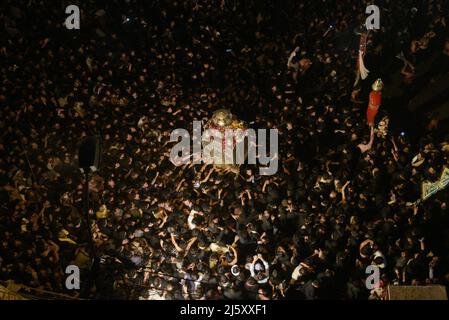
{"x":375,"y":99}
{"x":223,"y":139}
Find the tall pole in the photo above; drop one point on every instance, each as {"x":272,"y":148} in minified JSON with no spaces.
{"x":93,"y":253}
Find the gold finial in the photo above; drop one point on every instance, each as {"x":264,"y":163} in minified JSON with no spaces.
{"x":378,"y":85}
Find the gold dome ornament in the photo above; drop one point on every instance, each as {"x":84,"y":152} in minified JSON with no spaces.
{"x":222,"y":117}
{"x":378,"y":85}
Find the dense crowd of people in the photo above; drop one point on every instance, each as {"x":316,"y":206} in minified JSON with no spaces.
{"x":342,"y":199}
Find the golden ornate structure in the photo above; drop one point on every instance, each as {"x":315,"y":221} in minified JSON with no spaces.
{"x":223,"y":120}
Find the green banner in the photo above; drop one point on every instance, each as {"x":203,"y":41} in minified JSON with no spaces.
{"x":430,"y":188}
